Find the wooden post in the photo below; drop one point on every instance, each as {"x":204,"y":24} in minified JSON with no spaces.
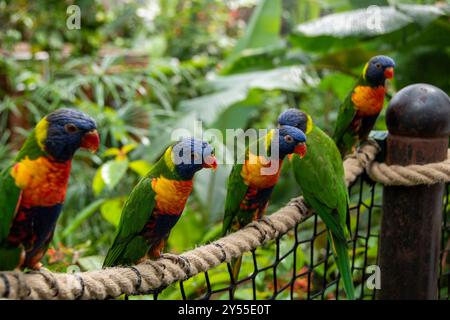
{"x":418,"y":120}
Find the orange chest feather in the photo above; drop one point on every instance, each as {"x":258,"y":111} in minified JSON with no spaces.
{"x":256,"y":172}
{"x":171,"y":195}
{"x":42,"y":181}
{"x":367,"y":100}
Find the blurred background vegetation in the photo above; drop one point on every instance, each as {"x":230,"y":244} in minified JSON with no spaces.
{"x":144,"y":68}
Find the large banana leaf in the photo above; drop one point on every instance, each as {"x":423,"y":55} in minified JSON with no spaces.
{"x":263,"y":29}
{"x":263,"y":32}
{"x":230,"y":90}
{"x":390,"y":24}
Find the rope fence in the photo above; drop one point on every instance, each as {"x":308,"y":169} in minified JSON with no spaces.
{"x":303,"y":268}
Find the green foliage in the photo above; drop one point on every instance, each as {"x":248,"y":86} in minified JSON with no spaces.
{"x":144,"y":70}
{"x":81,"y":217}
{"x":111,"y":210}
{"x":263,"y":33}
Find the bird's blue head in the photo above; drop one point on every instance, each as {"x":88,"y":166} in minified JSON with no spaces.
{"x":291,"y":140}
{"x":378,"y":69}
{"x":296,"y":118}
{"x":62,"y":132}
{"x":191,"y":155}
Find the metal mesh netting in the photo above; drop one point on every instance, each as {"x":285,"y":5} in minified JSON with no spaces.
{"x":444,"y":269}
{"x":300,"y":265}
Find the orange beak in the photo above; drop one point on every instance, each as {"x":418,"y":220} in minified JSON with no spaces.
{"x":210,"y":162}
{"x":389,"y":73}
{"x":300,"y":149}
{"x":91,"y":141}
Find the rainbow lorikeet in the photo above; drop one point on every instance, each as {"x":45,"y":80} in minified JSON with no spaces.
{"x":360,"y":110}
{"x":33,"y":188}
{"x":250,"y":185}
{"x":157,"y":202}
{"x":320,"y":175}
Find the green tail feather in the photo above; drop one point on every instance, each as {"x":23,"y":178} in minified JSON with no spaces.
{"x":333,"y":226}
{"x":348,"y":222}
{"x":340,"y":251}
{"x":113,"y":256}
{"x":235,"y":268}
{"x":127,"y":252}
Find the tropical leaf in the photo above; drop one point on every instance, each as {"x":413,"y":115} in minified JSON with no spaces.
{"x":112,"y":171}
{"x":91,"y":263}
{"x":98,"y":184}
{"x":141,"y":167}
{"x":421,"y":14}
{"x":188,"y":231}
{"x":347,"y":28}
{"x":263,"y":29}
{"x":81,"y":217}
{"x":254,"y":59}
{"x":290,"y":78}
{"x":111,"y":210}
{"x":233,"y":89}
{"x":361,"y":23}
{"x":210,"y":190}
{"x":209,"y":106}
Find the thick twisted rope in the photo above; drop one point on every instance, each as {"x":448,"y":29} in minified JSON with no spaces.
{"x":153,"y":275}
{"x":356,"y":163}
{"x":411,"y":175}
{"x":394,"y":175}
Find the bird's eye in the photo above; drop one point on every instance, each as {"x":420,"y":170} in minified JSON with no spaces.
{"x":288,"y":139}
{"x":71,"y":128}
{"x":378,"y":65}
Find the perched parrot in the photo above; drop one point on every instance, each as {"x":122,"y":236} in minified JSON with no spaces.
{"x":320,"y":175}
{"x":157,"y":202}
{"x":250,"y":186}
{"x":359,"y":111}
{"x":33,"y":188}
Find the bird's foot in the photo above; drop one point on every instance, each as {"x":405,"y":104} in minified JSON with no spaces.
{"x":37,"y":266}
{"x":268,"y":222}
{"x":179,"y":260}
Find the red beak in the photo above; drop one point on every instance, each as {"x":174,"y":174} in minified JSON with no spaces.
{"x":91,"y":141}
{"x":300,"y":149}
{"x":210,"y":162}
{"x":389,"y":73}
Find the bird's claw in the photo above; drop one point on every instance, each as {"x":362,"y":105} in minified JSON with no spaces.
{"x":179,"y":260}
{"x":38,"y":267}
{"x":269,"y":222}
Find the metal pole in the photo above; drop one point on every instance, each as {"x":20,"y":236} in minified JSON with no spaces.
{"x":418,"y":120}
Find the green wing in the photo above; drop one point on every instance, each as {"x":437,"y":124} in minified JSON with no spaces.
{"x":129,"y":246}
{"x":342,"y":132}
{"x":9,"y":198}
{"x":235,"y":194}
{"x":9,"y":192}
{"x":320,"y":175}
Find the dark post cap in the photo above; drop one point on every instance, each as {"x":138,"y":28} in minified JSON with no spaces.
{"x":419,"y":110}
